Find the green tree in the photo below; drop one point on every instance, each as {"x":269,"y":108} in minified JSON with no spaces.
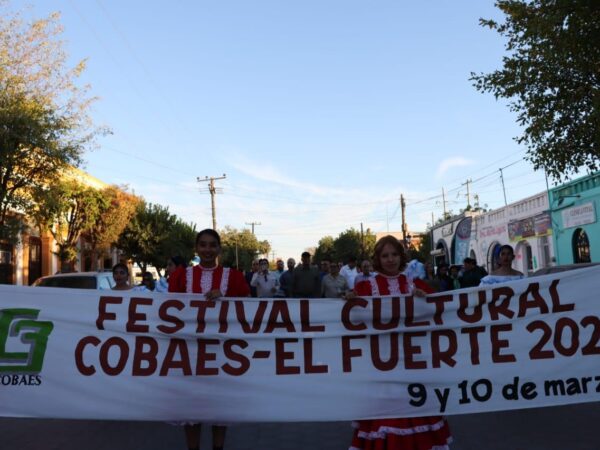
{"x":154,"y":235}
{"x":551,"y":77}
{"x":44,"y":121}
{"x":68,"y":208}
{"x":324,"y":249}
{"x":244,"y":243}
{"x":141,"y":238}
{"x":115,"y":213}
{"x":347,"y":243}
{"x":351,"y":243}
{"x":180,"y":241}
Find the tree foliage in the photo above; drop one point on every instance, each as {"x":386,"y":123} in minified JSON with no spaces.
{"x":154,"y":235}
{"x":115,"y":213}
{"x":552,"y":78}
{"x":325,"y":249}
{"x":348,"y":243}
{"x":247,"y":247}
{"x":67,"y":208}
{"x":43,"y":113}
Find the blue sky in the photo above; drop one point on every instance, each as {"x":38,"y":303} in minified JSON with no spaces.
{"x":321,"y":113}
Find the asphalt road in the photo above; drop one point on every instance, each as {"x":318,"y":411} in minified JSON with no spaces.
{"x":575,"y":427}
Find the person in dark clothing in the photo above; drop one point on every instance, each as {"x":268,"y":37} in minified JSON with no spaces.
{"x":472,"y":273}
{"x":446,"y":282}
{"x":306,"y":282}
{"x":248,"y":276}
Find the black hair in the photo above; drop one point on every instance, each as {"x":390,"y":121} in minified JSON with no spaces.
{"x":120,"y":266}
{"x":210,"y":232}
{"x":178,"y":261}
{"x":507,"y":247}
{"x":305,"y":254}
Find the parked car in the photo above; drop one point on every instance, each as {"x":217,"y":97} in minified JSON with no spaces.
{"x":562,"y":268}
{"x":78,"y":280}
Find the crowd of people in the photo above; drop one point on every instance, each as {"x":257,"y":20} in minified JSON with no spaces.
{"x":390,"y":273}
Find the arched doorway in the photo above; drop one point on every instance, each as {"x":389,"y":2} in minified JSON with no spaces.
{"x":441,"y":255}
{"x":581,"y":247}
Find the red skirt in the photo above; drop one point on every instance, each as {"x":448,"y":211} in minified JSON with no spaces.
{"x":414,"y":433}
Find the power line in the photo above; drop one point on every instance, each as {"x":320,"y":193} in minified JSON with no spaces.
{"x":132,"y":83}
{"x":139,"y":61}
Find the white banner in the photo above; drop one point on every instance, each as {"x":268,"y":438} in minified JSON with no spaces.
{"x":131,"y":355}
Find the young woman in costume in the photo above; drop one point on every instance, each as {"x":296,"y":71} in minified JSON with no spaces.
{"x":504,"y":272}
{"x":214,"y":281}
{"x":413,"y":433}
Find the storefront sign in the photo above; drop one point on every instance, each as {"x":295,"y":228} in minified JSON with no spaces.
{"x":579,"y":215}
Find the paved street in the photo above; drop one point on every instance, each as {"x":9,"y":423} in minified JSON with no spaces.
{"x":560,"y":428}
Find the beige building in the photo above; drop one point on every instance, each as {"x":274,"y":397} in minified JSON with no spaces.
{"x":34,"y":256}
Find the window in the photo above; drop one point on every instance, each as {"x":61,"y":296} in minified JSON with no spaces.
{"x":76,"y":282}
{"x":581,"y":247}
{"x":103,"y":283}
{"x":5,"y":257}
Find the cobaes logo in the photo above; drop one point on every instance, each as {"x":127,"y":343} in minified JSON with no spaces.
{"x":19,"y":368}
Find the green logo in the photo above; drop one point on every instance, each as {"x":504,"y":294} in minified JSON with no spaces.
{"x":22,"y":322}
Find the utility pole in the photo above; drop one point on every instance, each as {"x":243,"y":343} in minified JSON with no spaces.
{"x":468,"y":192}
{"x":213,"y":191}
{"x":237,"y":260}
{"x":443,"y":204}
{"x":404,"y":228}
{"x":252,"y":224}
{"x":503,"y":189}
{"x":362,"y":243}
{"x":431,"y":243}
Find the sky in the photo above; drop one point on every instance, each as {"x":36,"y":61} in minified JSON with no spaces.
{"x":320,"y":113}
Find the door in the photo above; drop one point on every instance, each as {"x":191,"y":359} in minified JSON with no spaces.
{"x":35,"y":259}
{"x":6,"y":263}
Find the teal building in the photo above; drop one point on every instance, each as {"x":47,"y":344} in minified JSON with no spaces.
{"x":574,"y":210}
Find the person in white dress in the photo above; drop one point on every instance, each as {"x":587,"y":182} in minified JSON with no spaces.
{"x":504,"y":272}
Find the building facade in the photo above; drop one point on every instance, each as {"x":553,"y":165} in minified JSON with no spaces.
{"x":574,"y":211}
{"x":526,"y":225}
{"x":35,"y":254}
